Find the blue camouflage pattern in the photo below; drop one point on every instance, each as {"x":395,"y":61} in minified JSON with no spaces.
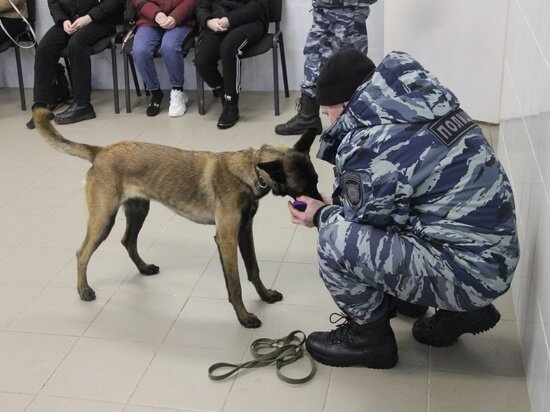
{"x":337,"y":25}
{"x":429,"y":222}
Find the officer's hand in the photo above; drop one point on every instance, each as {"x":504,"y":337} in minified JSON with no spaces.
{"x":305,"y":218}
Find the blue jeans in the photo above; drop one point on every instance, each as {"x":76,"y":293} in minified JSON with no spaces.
{"x":146,"y":41}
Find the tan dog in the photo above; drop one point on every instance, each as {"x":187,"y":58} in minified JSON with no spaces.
{"x":221,"y":189}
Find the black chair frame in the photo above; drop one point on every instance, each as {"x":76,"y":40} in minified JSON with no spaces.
{"x":25,"y":36}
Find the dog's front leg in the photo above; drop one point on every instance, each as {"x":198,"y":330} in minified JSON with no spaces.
{"x":226,"y":239}
{"x":246,"y":246}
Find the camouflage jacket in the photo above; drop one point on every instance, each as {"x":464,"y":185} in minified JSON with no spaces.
{"x":409,"y":160}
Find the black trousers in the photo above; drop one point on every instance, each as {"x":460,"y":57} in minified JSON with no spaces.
{"x":79,"y":50}
{"x":13,"y":26}
{"x":225,"y":46}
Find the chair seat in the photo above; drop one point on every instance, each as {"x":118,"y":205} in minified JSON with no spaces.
{"x":264,"y":45}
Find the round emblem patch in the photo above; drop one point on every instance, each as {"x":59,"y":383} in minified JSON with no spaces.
{"x":353,"y":189}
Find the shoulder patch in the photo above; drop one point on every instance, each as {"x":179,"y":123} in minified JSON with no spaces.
{"x":452,"y":127}
{"x":353,"y":189}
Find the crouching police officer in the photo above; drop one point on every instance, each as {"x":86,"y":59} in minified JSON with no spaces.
{"x":422,"y":212}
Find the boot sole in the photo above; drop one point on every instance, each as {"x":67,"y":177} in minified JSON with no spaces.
{"x":480,"y":327}
{"x":294,"y":132}
{"x":78,"y":119}
{"x":386,"y":362}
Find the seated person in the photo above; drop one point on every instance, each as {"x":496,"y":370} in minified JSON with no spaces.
{"x":11,"y":20}
{"x":164,"y":23}
{"x":79,"y":24}
{"x":228,"y":26}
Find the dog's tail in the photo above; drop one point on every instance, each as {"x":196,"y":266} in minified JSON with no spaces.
{"x":41,"y":117}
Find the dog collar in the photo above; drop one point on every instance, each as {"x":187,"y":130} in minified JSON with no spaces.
{"x":261,"y":182}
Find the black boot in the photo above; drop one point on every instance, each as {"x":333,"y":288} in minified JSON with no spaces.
{"x":230,"y":113}
{"x":307,"y":117}
{"x":76,"y":112}
{"x":30,"y":123}
{"x":445,"y":327}
{"x":410,"y":310}
{"x":154,"y":105}
{"x":372,"y":345}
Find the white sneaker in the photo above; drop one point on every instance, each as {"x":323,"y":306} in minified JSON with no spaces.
{"x":178,"y":100}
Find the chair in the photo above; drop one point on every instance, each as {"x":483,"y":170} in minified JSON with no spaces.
{"x":271,"y":41}
{"x":25,"y":36}
{"x":128,"y":60}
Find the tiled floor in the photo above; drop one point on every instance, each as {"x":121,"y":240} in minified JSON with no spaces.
{"x":146,"y":343}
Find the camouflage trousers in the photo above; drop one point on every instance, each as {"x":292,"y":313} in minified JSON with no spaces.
{"x":360,"y":264}
{"x":333,"y":29}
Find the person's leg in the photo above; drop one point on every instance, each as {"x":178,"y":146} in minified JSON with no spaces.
{"x":231,"y":50}
{"x":146,"y":41}
{"x":80,"y":50}
{"x":398,"y":264}
{"x":171,"y":45}
{"x":206,"y":59}
{"x":332,"y":30}
{"x":47,"y":55}
{"x":46,"y":58}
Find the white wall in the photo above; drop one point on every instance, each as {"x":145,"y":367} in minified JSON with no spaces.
{"x":461,"y":42}
{"x":256,"y":72}
{"x":524,"y":148}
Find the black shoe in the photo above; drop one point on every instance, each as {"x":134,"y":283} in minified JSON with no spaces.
{"x":307,"y":117}
{"x":30,"y":123}
{"x":372,"y":345}
{"x":445,"y":327}
{"x":230,"y":113}
{"x":154,"y":105}
{"x":410,"y":310}
{"x":75,"y":113}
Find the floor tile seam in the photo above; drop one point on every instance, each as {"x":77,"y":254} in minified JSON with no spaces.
{"x":475,"y":373}
{"x":72,"y":398}
{"x":25,"y":306}
{"x":330,"y":379}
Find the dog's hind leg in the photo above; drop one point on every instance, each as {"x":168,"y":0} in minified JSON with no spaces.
{"x":246,"y":246}
{"x":100,"y":222}
{"x":136,"y":211}
{"x":226,"y":239}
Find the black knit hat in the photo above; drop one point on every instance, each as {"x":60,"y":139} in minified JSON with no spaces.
{"x":341,"y":75}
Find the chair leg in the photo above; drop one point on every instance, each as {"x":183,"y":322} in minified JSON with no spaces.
{"x":125,"y":59}
{"x":115,"y":78}
{"x":283,"y":65}
{"x":20,"y":78}
{"x":200,"y":93}
{"x":275,"y":77}
{"x":68,"y":67}
{"x":134,"y":75}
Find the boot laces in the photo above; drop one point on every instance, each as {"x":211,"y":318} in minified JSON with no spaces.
{"x":343,"y":332}
{"x":440,"y":317}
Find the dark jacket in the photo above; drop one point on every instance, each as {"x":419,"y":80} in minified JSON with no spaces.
{"x":181,"y":10}
{"x":104,"y":11}
{"x":238,"y":12}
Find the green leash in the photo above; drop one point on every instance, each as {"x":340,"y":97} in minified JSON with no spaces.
{"x":283,"y":352}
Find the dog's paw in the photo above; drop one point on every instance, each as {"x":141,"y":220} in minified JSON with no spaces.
{"x":149,"y":270}
{"x":272,"y":296}
{"x":87,"y":294}
{"x":251,"y":321}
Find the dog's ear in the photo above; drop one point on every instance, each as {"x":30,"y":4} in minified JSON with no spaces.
{"x":306,"y":140}
{"x":275,"y":170}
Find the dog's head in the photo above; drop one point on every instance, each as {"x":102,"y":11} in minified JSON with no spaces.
{"x":291,"y":172}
